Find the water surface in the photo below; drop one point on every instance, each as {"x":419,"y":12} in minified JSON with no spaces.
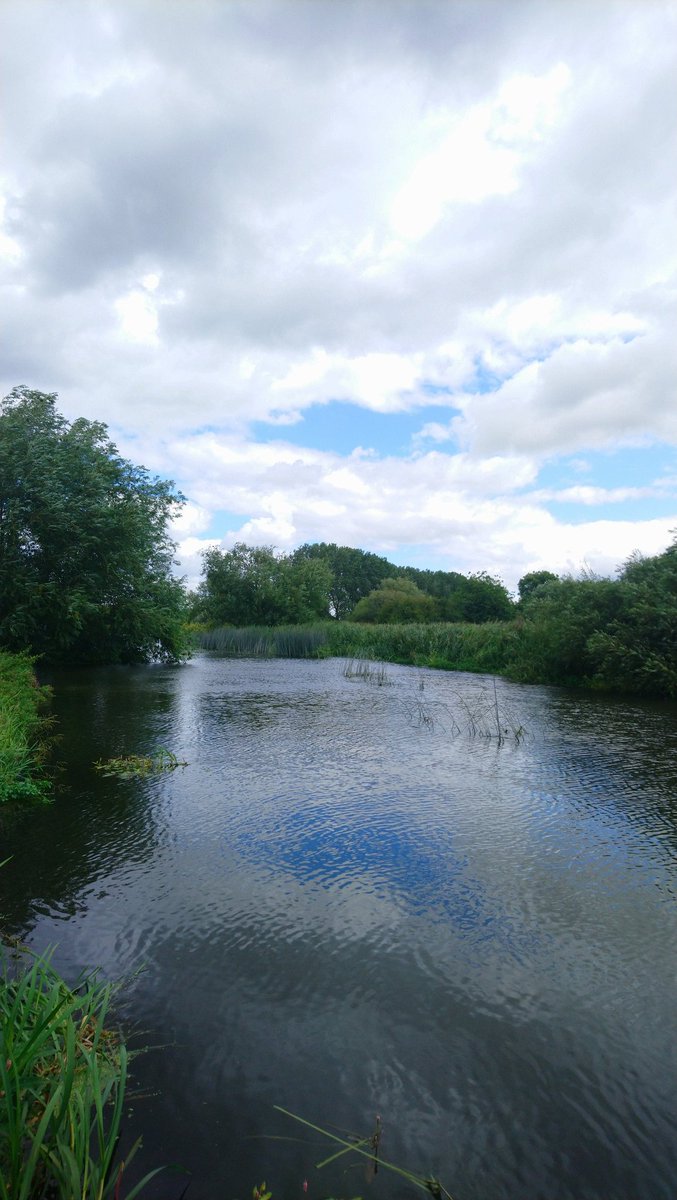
{"x":346,"y":907}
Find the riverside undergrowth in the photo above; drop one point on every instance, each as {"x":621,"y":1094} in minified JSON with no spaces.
{"x":24,"y":730}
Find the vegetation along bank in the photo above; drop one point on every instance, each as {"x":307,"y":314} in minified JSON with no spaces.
{"x":616,"y":635}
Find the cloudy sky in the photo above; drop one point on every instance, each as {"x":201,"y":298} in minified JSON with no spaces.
{"x":397,"y":274}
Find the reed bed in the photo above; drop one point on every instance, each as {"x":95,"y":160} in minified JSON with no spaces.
{"x":63,"y":1075}
{"x":491,"y":647}
{"x":23,"y":731}
{"x":495,"y":647}
{"x":257,"y":641}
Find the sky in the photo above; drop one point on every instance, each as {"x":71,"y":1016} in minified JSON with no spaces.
{"x":395,"y":274}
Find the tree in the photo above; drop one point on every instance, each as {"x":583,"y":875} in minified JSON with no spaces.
{"x":354,"y":573}
{"x":485,"y":598}
{"x":533,"y":580}
{"x":85,"y":556}
{"x":637,"y":651}
{"x":395,"y":601}
{"x":252,"y":585}
{"x":562,"y":617}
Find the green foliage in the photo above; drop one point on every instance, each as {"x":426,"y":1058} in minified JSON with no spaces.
{"x":357,"y":573}
{"x":637,"y":650}
{"x":491,"y":647}
{"x":474,"y":598}
{"x":252,"y":585}
{"x":529,"y":584}
{"x":354,"y":573}
{"x":62,"y":1086}
{"x":85,"y":558}
{"x":23,"y":731}
{"x":561,"y":617}
{"x":395,"y":601}
{"x":614,"y":634}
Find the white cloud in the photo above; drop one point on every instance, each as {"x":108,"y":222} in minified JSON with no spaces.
{"x":216,"y":214}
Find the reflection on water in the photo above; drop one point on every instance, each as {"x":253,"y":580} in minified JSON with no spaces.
{"x":344,"y":910}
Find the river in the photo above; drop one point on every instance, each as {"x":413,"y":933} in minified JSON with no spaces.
{"x":353,"y":901}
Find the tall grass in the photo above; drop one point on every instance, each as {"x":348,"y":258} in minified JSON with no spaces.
{"x":491,"y":647}
{"x":62,"y":1087}
{"x":23,"y":730}
{"x":521,"y":650}
{"x":259,"y":641}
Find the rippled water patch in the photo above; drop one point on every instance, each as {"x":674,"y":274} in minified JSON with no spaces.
{"x":344,"y":910}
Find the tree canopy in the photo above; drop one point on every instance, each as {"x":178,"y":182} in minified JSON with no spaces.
{"x":394,"y":601}
{"x":354,"y":573}
{"x":252,"y":585}
{"x":85,"y":555}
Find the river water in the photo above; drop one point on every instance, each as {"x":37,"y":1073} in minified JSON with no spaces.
{"x":352,"y":902}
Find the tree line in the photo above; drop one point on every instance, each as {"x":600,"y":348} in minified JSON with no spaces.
{"x":255,"y":585}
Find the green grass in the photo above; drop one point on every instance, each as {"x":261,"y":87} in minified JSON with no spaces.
{"x":23,"y":729}
{"x":63,"y":1075}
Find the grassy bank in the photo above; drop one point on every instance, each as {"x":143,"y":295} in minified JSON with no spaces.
{"x":62,"y":1087}
{"x":492,"y":647}
{"x":525,"y":651}
{"x":544,"y":650}
{"x":23,"y":730}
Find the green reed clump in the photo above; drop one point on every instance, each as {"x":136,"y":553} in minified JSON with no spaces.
{"x":23,"y":730}
{"x":368,"y":672}
{"x":257,"y":641}
{"x":299,"y":641}
{"x":63,"y":1075}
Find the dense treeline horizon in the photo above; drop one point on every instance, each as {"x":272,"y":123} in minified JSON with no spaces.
{"x":256,"y":585}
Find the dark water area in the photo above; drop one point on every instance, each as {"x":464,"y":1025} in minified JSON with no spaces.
{"x":345,"y":907}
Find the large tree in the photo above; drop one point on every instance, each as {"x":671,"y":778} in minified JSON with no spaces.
{"x":85,"y":556}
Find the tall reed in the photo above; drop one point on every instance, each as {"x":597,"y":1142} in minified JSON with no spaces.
{"x":63,"y":1075}
{"x":260,"y":641}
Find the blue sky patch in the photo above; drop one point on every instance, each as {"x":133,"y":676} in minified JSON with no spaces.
{"x":627,"y":467}
{"x":340,"y":427}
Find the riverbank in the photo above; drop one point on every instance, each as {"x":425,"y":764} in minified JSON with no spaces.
{"x":454,"y":647}
{"x":24,"y":731}
{"x":552,"y":650}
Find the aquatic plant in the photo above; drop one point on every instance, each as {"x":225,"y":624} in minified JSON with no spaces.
{"x":369,"y":1147}
{"x":368,"y":672}
{"x":283,"y":641}
{"x":137,"y":766}
{"x":476,"y":715}
{"x":63,"y":1075}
